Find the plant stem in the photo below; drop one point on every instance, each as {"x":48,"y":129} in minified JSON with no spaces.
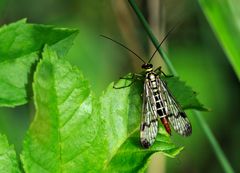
{"x":152,"y":37}
{"x":216,"y":147}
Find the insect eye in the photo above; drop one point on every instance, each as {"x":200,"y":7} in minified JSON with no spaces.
{"x":147,"y":66}
{"x":144,"y":66}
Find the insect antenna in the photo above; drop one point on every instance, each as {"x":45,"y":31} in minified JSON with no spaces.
{"x":124,"y":47}
{"x":166,"y":36}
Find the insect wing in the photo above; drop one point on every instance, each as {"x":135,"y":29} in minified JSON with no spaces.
{"x":149,"y":122}
{"x":176,"y":115}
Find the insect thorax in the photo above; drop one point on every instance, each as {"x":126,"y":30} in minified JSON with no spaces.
{"x":150,"y":75}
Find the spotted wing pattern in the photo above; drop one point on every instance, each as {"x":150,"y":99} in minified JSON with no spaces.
{"x":149,"y":122}
{"x":176,"y":116}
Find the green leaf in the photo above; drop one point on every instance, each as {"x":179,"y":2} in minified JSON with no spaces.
{"x":184,"y":94}
{"x":20,"y":45}
{"x":223,"y":16}
{"x":75,"y":132}
{"x":8,"y":160}
{"x":130,"y":157}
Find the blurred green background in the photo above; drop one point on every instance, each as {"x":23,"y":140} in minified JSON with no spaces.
{"x":192,"y":47}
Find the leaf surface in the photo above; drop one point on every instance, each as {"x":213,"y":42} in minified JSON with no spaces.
{"x":184,"y":94}
{"x":20,"y":46}
{"x":75,"y":132}
{"x":8,"y":159}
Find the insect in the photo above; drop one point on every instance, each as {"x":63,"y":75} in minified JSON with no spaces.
{"x":158,"y":102}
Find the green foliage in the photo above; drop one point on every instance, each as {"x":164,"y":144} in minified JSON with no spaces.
{"x":8,"y":160}
{"x":217,"y":149}
{"x":223,"y":16}
{"x":75,"y":131}
{"x":20,"y":45}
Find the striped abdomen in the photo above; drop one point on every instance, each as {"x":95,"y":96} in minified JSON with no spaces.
{"x":159,"y":101}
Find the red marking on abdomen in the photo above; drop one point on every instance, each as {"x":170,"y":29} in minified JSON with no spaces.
{"x":166,"y":125}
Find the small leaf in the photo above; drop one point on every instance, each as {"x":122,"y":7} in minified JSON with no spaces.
{"x":76,"y":132}
{"x":8,"y":160}
{"x":130,"y":157}
{"x":20,"y":45}
{"x":184,"y":94}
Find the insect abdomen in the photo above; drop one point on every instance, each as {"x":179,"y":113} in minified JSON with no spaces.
{"x":160,"y":106}
{"x":166,"y":125}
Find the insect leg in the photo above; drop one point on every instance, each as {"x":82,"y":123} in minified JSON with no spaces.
{"x":167,"y":75}
{"x":133,"y":78}
{"x":159,"y":72}
{"x":115,"y":87}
